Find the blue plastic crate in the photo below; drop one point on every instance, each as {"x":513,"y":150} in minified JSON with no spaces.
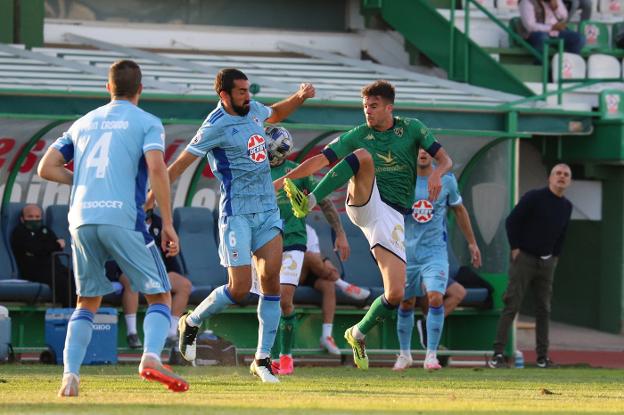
{"x":103,"y":346}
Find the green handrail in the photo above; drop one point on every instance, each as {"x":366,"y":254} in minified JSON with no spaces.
{"x":500,"y":24}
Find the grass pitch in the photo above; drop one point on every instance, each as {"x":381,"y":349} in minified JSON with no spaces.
{"x":31,"y":389}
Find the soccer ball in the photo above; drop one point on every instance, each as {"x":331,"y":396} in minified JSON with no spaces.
{"x":279,"y":143}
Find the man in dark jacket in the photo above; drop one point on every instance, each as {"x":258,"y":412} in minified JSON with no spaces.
{"x":536,"y":229}
{"x":33,"y":245}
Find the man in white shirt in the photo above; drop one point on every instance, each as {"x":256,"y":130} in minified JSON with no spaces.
{"x":542,"y":20}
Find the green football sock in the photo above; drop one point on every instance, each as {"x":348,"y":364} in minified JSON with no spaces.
{"x":336,"y":177}
{"x":287,"y":329}
{"x":378,"y":311}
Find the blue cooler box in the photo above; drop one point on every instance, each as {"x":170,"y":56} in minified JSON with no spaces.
{"x":103,"y":346}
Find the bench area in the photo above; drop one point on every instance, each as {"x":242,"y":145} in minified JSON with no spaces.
{"x":468,"y":328}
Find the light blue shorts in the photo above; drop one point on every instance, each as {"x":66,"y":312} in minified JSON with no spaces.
{"x":427,"y":276}
{"x":135,"y":252}
{"x":240,"y":235}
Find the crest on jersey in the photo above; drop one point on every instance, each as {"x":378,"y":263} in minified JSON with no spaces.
{"x":398,"y":131}
{"x":422,"y":211}
{"x":256,"y":148}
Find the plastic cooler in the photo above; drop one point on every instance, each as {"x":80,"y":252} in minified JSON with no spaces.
{"x":103,"y":346}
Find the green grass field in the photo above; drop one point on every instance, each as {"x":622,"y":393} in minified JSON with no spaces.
{"x":31,"y":389}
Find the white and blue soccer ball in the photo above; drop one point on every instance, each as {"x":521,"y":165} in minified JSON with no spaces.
{"x":279,"y":143}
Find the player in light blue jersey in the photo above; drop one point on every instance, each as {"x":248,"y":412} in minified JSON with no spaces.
{"x":427,"y":259}
{"x":115,"y":148}
{"x":232,"y":139}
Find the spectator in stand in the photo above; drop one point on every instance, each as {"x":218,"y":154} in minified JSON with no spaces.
{"x":181,"y":289}
{"x":33,"y":244}
{"x":542,"y":20}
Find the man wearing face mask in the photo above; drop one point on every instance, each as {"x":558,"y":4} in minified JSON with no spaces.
{"x":33,"y":245}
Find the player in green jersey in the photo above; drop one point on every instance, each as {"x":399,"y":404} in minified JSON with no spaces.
{"x":379,"y":162}
{"x":279,"y":143}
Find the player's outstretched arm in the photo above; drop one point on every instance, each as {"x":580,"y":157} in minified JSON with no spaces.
{"x":443,"y":166}
{"x":159,"y":180}
{"x":52,"y":167}
{"x":341,"y":245}
{"x":463,"y":220}
{"x":284,"y":108}
{"x":305,"y":169}
{"x":174,"y":171}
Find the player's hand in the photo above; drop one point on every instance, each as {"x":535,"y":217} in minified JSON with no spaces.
{"x":559,"y":26}
{"x":514,"y":254}
{"x":278,"y":184}
{"x":149,"y":201}
{"x":475,"y":255}
{"x":306,"y":90}
{"x":434,"y":185}
{"x":342,"y":246}
{"x":61,"y":242}
{"x":170,"y":244}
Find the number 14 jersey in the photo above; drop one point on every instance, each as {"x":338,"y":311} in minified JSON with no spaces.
{"x":107,"y":146}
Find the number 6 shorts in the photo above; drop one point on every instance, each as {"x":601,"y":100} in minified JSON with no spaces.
{"x":240,"y":235}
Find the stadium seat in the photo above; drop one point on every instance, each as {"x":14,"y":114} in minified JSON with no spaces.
{"x":10,"y":218}
{"x":596,"y":36}
{"x":196,"y":229}
{"x":56,"y":220}
{"x":507,"y":6}
{"x":574,"y":67}
{"x":614,"y":30}
{"x":610,"y":7}
{"x":515,"y":24}
{"x":601,"y":66}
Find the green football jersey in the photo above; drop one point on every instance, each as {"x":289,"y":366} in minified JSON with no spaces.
{"x":394,"y":153}
{"x":294,"y":228}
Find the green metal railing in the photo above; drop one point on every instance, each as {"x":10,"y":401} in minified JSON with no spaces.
{"x":517,"y":38}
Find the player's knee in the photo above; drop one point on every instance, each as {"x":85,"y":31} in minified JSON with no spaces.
{"x":185,"y":286}
{"x":394,"y":296}
{"x":435,"y":299}
{"x":408,"y":304}
{"x":239,"y":292}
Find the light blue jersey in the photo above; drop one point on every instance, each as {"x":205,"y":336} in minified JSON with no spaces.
{"x":425,"y":228}
{"x":110,"y":173}
{"x":236,"y":151}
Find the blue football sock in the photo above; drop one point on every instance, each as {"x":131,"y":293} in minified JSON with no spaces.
{"x":435,"y":323}
{"x":405,"y":327}
{"x":155,"y":328}
{"x":78,"y":337}
{"x":219,"y":299}
{"x":269,"y":313}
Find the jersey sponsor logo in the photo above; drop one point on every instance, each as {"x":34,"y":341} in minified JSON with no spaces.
{"x":234,"y":131}
{"x":257,"y":121}
{"x":256,"y":148}
{"x":196,"y":139}
{"x":387,"y":158}
{"x":422,"y":211}
{"x":369,"y":137}
{"x":94,"y":204}
{"x":398,"y":237}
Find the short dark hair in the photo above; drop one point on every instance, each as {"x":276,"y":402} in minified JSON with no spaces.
{"x":124,"y":78}
{"x":224,"y":81}
{"x":381,"y":88}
